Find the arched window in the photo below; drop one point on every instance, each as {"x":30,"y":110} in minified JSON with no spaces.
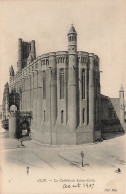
{"x":62,"y":116}
{"x":61,"y":83}
{"x":44,"y":85}
{"x":83,"y":115}
{"x":83,"y":84}
{"x":44,"y":116}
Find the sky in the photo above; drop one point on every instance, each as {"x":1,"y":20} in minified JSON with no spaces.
{"x":100,"y":25}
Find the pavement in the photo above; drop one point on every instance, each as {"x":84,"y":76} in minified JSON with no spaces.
{"x":109,"y":153}
{"x":34,"y":162}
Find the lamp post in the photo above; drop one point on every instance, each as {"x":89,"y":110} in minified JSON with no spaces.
{"x":82,"y":155}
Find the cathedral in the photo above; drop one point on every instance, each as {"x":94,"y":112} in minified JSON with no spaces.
{"x":57,"y":96}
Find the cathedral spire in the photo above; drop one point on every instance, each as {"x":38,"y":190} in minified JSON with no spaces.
{"x":72,"y":30}
{"x":121,"y":88}
{"x":122,"y":104}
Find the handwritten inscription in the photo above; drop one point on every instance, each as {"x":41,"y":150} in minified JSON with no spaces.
{"x":66,"y":186}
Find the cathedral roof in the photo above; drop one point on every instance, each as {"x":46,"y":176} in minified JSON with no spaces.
{"x":121,"y":89}
{"x":72,"y":30}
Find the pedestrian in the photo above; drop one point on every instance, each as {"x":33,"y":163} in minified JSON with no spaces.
{"x":22,"y":143}
{"x":21,"y":140}
{"x":27,"y":170}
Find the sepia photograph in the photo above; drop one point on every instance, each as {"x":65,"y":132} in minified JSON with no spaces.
{"x":63,"y":97}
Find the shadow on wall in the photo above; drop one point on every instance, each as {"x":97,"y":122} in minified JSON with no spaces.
{"x":110,"y":117}
{"x":106,"y":136}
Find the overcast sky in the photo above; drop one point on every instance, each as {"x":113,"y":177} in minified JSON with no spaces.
{"x":100,"y":25}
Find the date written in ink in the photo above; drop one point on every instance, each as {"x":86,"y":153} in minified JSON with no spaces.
{"x":86,"y":185}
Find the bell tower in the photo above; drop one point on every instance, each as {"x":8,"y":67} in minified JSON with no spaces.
{"x":122,"y":106}
{"x":72,"y":71}
{"x":72,"y":40}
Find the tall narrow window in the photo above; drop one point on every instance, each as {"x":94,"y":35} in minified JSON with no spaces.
{"x":83,"y":84}
{"x":96,"y":88}
{"x":44,"y":85}
{"x":62,"y":116}
{"x":61,"y":83}
{"x":83,"y":115}
{"x":44,"y":116}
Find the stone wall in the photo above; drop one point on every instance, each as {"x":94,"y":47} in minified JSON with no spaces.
{"x":56,"y":118}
